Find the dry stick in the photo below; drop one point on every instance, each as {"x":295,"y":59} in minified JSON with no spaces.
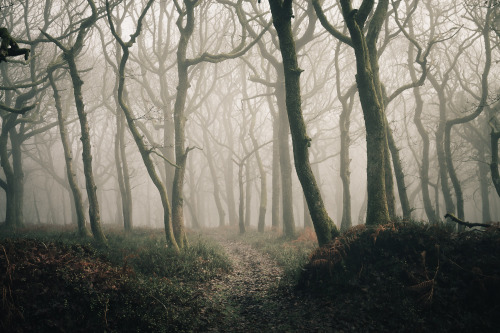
{"x":467,"y":224}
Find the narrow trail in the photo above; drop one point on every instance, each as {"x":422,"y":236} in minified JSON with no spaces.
{"x":252,"y":300}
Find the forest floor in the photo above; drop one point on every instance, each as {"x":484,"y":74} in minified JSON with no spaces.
{"x":402,"y":277}
{"x":255,"y":301}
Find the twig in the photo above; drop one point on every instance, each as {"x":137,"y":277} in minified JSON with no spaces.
{"x":467,"y":224}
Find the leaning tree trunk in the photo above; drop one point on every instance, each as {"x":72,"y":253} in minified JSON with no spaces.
{"x":138,"y":138}
{"x":398,"y":172}
{"x":323,"y":224}
{"x":68,"y":157}
{"x":94,"y":214}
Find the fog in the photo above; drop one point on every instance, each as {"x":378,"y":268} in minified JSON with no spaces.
{"x":432,"y":61}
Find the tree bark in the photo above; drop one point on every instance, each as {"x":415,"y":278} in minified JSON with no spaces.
{"x":284,"y":158}
{"x":323,"y":224}
{"x":68,"y":157}
{"x":215,"y":181}
{"x":138,"y":138}
{"x":370,"y":95}
{"x":94,"y":213}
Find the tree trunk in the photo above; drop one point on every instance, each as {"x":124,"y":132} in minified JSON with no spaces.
{"x":248,"y":192}
{"x":263,"y":179}
{"x":138,"y":138}
{"x":276,"y":184}
{"x":440,"y":134}
{"x":495,"y":175}
{"x":241,"y":210}
{"x":400,"y":176}
{"x":68,"y":157}
{"x":215,"y":181}
{"x":94,"y":214}
{"x":229,"y":175}
{"x":323,"y":225}
{"x":345,"y":173}
{"x":284,"y":158}
{"x":424,"y":169}
{"x":389,"y":180}
{"x":370,"y":95}
{"x":483,"y":184}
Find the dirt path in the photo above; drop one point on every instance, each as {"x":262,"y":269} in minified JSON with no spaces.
{"x":252,"y":300}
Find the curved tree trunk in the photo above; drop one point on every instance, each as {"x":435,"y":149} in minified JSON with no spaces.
{"x":138,"y":138}
{"x":424,"y":169}
{"x":94,"y":213}
{"x":462,"y":120}
{"x":68,"y":157}
{"x":323,"y":224}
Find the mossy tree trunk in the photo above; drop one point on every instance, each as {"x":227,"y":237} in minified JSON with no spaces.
{"x":323,"y":224}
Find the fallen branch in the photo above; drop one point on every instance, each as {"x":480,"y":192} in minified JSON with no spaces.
{"x":467,"y":224}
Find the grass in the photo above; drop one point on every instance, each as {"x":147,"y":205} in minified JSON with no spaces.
{"x":291,"y":255}
{"x":55,"y":281}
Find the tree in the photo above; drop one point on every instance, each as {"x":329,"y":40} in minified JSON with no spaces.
{"x":370,"y":94}
{"x":282,"y":15}
{"x":68,"y":157}
{"x":186,"y":25}
{"x":467,"y":118}
{"x":138,"y":138}
{"x":69,"y":54}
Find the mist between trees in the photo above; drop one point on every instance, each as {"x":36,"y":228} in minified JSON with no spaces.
{"x":279,"y":114}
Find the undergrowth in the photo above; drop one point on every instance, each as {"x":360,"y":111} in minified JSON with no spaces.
{"x":54,"y":281}
{"x":411,"y":277}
